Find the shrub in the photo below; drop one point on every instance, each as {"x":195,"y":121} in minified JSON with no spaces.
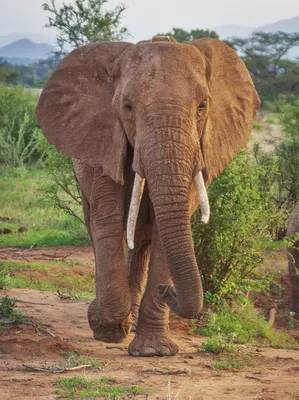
{"x":61,"y":189}
{"x":234,"y":243}
{"x":239,"y":323}
{"x":7,"y":308}
{"x":217,"y":344}
{"x":290,"y":119}
{"x":18,"y":127}
{"x":6,"y":281}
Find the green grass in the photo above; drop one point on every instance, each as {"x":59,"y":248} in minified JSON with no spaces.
{"x":21,"y":200}
{"x":70,"y":278}
{"x":240,"y":324}
{"x":228,"y":364}
{"x":104,"y":387}
{"x":217,"y":344}
{"x":258,"y":126}
{"x":75,"y":359}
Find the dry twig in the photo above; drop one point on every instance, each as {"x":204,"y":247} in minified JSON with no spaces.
{"x":23,"y":322}
{"x":159,"y":372}
{"x":55,"y":370}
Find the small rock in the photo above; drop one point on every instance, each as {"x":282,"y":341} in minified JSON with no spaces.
{"x":22,"y":229}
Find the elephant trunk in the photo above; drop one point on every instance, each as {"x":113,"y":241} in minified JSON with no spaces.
{"x":169,"y":177}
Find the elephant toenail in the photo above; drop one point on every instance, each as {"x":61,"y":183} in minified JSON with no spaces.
{"x":149,"y":352}
{"x":164,"y":351}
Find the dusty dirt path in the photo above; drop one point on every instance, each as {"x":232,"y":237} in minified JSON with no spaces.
{"x":271,"y":374}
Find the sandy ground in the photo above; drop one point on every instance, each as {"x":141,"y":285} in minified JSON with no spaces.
{"x":271,"y":374}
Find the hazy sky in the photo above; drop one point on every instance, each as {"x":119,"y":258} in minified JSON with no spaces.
{"x":144,"y":18}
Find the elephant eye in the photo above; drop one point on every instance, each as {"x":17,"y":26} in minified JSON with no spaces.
{"x":202,"y":106}
{"x":128,"y":107}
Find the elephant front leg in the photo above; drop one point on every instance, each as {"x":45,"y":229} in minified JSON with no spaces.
{"x":152,"y":332}
{"x":109,"y":314}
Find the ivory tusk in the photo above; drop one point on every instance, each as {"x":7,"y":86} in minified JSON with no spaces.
{"x":134,"y":209}
{"x":203,"y":197}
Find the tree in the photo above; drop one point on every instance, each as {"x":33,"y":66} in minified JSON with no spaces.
{"x":84,"y":22}
{"x":181,"y":35}
{"x":8,"y":73}
{"x":265,"y":55}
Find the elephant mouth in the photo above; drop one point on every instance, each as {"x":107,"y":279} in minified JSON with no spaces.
{"x":137,"y":192}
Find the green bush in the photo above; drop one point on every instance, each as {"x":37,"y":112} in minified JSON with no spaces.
{"x":235,"y":242}
{"x":290,"y":119}
{"x":217,"y":344}
{"x":61,"y":190}
{"x":18,"y":127}
{"x":239,"y":323}
{"x":7,"y":308}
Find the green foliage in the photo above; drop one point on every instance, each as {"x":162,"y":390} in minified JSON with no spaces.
{"x":7,"y":309}
{"x":22,"y":202}
{"x":265,"y":57}
{"x":75,"y":359}
{"x":288,"y":161}
{"x":282,"y":182}
{"x":18,"y":127}
{"x":83,"y":22}
{"x":181,"y":35}
{"x":290,"y":119}
{"x":29,"y":75}
{"x":234,"y":243}
{"x":6,"y":281}
{"x":72,"y":388}
{"x":40,"y":83}
{"x":217,"y":344}
{"x":61,"y":190}
{"x":62,"y":277}
{"x":258,"y":126}
{"x":228,"y":364}
{"x":240,"y":323}
{"x":8,"y":75}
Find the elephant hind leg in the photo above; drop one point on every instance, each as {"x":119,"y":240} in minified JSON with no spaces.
{"x":137,"y":263}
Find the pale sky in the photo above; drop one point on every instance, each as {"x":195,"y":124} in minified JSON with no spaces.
{"x":144,"y":18}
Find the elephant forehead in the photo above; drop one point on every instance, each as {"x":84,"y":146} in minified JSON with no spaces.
{"x":163,"y":58}
{"x":163,"y":69}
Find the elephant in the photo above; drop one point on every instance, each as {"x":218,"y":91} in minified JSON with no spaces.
{"x":149,"y":126}
{"x":293,"y":259}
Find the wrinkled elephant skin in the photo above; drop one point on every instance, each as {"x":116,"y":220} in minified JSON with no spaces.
{"x":168,"y":116}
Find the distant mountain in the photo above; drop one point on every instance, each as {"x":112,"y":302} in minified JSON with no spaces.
{"x":25,"y":49}
{"x":285,"y":25}
{"x":35,"y":37}
{"x":226,"y":31}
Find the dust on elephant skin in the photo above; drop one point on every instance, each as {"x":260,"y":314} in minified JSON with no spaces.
{"x":149,"y":126}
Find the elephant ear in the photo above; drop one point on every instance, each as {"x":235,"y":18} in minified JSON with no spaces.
{"x":75,"y":108}
{"x":232,"y":106}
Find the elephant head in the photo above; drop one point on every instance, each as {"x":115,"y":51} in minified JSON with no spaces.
{"x":185,"y":109}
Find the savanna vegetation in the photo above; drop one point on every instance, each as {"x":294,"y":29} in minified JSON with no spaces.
{"x":250,"y":201}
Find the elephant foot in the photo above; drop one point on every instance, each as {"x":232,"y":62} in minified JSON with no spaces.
{"x":151,"y":346}
{"x":107,"y":331}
